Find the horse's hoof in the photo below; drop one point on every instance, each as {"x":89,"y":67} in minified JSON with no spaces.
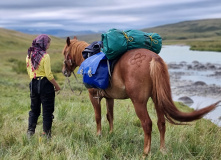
{"x":145,"y":155}
{"x":163,"y":151}
{"x":99,"y":134}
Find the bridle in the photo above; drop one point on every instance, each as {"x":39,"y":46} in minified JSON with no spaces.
{"x":70,"y":63}
{"x":67,"y":61}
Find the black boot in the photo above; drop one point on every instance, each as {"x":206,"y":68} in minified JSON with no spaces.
{"x":31,"y":129}
{"x":30,"y":134}
{"x":47,"y":134}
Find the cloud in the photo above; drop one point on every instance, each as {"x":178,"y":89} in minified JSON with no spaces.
{"x":103,"y":14}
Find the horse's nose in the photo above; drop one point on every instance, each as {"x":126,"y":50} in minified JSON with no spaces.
{"x":65,"y":73}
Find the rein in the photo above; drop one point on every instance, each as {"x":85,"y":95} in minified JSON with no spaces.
{"x":77,"y":82}
{"x":67,"y":81}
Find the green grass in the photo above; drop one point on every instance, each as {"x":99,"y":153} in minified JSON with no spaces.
{"x":74,"y":126}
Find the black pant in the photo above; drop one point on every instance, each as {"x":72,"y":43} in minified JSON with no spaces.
{"x":41,"y":92}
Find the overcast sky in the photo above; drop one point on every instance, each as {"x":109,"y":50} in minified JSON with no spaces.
{"x":102,"y":15}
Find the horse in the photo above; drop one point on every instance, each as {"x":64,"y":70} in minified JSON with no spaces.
{"x":139,"y":74}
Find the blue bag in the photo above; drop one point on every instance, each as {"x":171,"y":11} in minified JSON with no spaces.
{"x":95,"y":71}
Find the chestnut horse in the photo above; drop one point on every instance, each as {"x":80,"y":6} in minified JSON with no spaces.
{"x":139,"y":74}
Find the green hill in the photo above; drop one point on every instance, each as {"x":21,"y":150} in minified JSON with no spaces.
{"x":199,"y":34}
{"x":13,"y":41}
{"x":200,"y":29}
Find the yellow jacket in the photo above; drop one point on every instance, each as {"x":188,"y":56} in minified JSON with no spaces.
{"x":44,"y":69}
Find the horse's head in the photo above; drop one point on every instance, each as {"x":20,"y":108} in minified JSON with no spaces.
{"x":69,"y":62}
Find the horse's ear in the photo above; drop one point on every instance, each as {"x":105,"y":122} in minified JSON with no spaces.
{"x":68,"y":41}
{"x":75,"y":37}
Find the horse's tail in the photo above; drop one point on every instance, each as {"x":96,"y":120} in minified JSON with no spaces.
{"x":162,"y":95}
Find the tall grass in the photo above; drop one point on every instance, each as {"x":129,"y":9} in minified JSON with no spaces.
{"x":74,"y":126}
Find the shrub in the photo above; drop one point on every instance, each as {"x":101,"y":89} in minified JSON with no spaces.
{"x":19,"y":67}
{"x":12,"y":60}
{"x":57,"y":67}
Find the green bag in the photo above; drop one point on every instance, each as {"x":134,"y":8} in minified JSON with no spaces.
{"x":139,"y":39}
{"x":116,"y":42}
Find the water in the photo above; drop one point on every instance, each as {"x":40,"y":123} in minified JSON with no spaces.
{"x":183,"y":53}
{"x":199,"y":76}
{"x":177,"y":54}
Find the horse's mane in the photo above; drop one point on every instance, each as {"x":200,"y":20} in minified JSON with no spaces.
{"x":77,"y":46}
{"x":75,"y":50}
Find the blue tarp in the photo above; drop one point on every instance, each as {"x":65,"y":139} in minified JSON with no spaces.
{"x":95,"y":71}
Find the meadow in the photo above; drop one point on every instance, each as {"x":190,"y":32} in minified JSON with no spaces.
{"x":74,"y":127}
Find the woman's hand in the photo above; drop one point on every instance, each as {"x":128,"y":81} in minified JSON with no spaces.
{"x":57,"y":88}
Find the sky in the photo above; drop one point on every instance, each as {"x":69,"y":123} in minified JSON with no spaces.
{"x":101,"y":15}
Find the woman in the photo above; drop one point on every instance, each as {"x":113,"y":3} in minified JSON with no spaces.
{"x":42,"y":85}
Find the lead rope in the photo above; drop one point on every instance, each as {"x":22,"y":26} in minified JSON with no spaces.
{"x":72,"y":88}
{"x":77,"y":82}
{"x":67,"y":81}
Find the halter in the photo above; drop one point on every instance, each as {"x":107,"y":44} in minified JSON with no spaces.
{"x":68,"y":62}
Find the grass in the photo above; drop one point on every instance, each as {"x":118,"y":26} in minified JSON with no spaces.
{"x":74,"y":130}
{"x":74,"y":126}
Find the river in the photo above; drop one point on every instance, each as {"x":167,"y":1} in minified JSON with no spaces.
{"x":179,"y":54}
{"x":183,"y":53}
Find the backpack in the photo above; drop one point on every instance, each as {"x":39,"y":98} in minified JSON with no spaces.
{"x":92,"y":49}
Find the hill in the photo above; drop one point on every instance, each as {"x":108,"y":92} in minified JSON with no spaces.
{"x":14,"y":41}
{"x":200,"y":29}
{"x":199,"y":34}
{"x":55,"y":32}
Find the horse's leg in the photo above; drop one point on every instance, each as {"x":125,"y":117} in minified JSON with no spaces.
{"x":97,"y":110}
{"x":110,"y":114}
{"x":141,"y":111}
{"x":162,"y":128}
